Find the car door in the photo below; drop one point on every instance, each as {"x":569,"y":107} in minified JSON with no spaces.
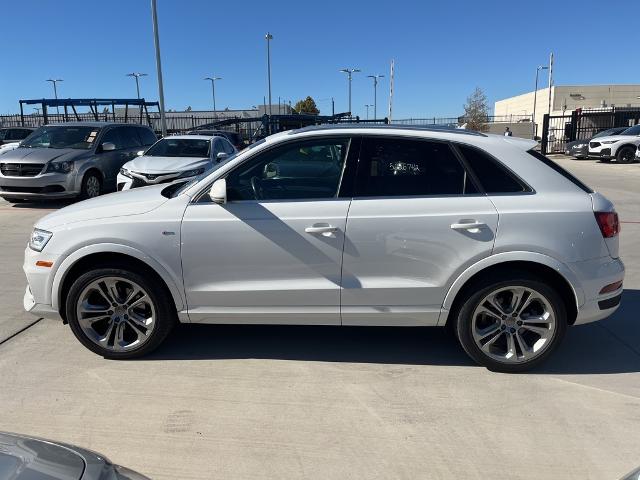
{"x":415,"y":222}
{"x":272,"y":253}
{"x":108,"y":161}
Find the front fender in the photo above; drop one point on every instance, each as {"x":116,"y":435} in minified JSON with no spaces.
{"x":517,"y":256}
{"x":64,"y":267}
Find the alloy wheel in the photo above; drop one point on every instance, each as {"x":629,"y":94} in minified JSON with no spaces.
{"x":93,"y":186}
{"x":116,"y":314}
{"x":513,"y":324}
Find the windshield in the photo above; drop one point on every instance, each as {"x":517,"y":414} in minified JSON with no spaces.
{"x":80,"y":138}
{"x":180,"y":147}
{"x":607,"y":133}
{"x":635,"y":130}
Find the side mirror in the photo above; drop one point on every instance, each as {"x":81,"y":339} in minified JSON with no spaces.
{"x":108,"y":147}
{"x":139,"y":153}
{"x":222,"y":156}
{"x":218,"y":192}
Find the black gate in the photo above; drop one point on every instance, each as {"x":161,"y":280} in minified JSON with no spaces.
{"x":558,"y":130}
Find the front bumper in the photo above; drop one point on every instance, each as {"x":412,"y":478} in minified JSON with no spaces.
{"x":594,"y":275}
{"x":581,"y":152}
{"x":37,"y":296}
{"x":601,"y":153}
{"x":42,"y":186}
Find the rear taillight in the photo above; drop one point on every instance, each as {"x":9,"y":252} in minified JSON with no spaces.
{"x":608,"y":223}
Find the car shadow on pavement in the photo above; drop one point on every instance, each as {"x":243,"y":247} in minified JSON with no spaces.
{"x":44,"y":205}
{"x":609,"y":346}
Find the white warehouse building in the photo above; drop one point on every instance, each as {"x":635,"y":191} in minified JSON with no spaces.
{"x":567,"y":98}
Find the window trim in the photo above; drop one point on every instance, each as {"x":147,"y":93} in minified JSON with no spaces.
{"x":198,"y":197}
{"x":528,"y":189}
{"x":364,"y":137}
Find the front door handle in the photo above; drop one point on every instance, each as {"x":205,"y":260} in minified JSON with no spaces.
{"x":322,"y":229}
{"x":468,"y":225}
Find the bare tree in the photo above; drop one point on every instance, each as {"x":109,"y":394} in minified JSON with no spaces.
{"x":476,"y":111}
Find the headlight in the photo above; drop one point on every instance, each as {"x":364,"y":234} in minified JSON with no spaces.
{"x":609,"y":142}
{"x":59,"y":167}
{"x":193,"y":173}
{"x":39,"y":239}
{"x":125,"y":172}
{"x":581,"y":145}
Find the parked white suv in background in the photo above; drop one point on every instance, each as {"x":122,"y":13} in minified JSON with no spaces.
{"x":341,"y":226}
{"x":621,"y":148}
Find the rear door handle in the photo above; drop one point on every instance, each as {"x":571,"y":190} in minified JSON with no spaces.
{"x":468,"y":225}
{"x":321,"y":229}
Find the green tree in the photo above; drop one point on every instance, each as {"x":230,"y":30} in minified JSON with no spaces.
{"x":476,"y":111}
{"x":307,"y":106}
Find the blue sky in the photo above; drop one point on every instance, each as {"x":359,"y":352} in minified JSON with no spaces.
{"x":443,"y":50}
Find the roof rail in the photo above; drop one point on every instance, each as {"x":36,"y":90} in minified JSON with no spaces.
{"x":343,"y":126}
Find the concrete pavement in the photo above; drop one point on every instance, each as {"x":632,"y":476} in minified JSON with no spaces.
{"x":322,"y":402}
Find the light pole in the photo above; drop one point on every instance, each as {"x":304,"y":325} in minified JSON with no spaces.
{"x":368,"y":105}
{"x":213,"y":90}
{"x":375,"y":93}
{"x":349,"y":72}
{"x":55,"y":90}
{"x":268,"y":37}
{"x":156,"y":42}
{"x":137,"y":75}
{"x":535,"y":97}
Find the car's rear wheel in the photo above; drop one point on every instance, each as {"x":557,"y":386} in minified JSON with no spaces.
{"x":91,"y":186}
{"x":512,"y":325}
{"x":626,"y":155}
{"x":119,"y":314}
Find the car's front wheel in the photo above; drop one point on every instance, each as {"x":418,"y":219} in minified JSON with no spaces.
{"x":118,"y":313}
{"x":511,"y":325}
{"x":91,"y":186}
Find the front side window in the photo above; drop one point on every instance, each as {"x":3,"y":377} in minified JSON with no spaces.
{"x":130,"y":137}
{"x":180,"y":147}
{"x":392,"y":167}
{"x":300,"y":170}
{"x":147,"y":136}
{"x":113,"y":136}
{"x":80,"y":138}
{"x":3,"y":134}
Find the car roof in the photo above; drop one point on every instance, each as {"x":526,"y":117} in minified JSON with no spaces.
{"x":191,"y":137}
{"x":366,"y":127}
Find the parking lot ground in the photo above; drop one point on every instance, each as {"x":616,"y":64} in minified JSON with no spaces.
{"x":329,"y":402}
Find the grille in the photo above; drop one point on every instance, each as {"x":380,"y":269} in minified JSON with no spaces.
{"x":21,"y":169}
{"x":594,"y":144}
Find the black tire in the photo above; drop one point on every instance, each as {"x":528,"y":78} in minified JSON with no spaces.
{"x":463,"y":320}
{"x":626,"y":155}
{"x":165,"y":313}
{"x":90,"y":181}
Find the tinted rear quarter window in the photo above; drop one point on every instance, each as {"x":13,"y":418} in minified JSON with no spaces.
{"x":493,"y":176}
{"x":553,"y":165}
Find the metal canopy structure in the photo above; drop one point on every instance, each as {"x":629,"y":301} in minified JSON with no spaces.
{"x":92,"y":103}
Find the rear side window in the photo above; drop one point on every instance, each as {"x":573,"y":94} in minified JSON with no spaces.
{"x":147,"y":136}
{"x":551,"y":164}
{"x":493,"y":177}
{"x":391,"y":167}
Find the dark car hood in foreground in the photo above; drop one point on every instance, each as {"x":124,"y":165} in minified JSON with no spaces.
{"x":23,"y":457}
{"x":41,"y":155}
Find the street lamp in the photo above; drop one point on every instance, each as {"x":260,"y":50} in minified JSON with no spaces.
{"x":535,"y":97}
{"x":375,"y":93}
{"x":213,"y":90}
{"x":368,"y":105}
{"x":137,"y":75}
{"x":55,"y":90}
{"x":349,"y":72}
{"x":156,"y":43}
{"x":268,"y":37}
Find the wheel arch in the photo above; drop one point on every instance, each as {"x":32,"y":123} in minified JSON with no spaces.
{"x":111,"y":254}
{"x":544,"y":266}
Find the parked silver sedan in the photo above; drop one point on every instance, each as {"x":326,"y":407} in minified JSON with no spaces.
{"x":341,"y":226}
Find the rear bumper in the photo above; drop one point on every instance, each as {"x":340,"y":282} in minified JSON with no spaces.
{"x":595,"y":274}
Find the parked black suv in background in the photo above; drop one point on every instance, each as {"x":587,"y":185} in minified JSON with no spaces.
{"x":14,"y":134}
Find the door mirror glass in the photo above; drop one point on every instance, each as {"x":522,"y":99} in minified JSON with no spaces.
{"x":108,"y":147}
{"x":218,"y":192}
{"x":222,"y":156}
